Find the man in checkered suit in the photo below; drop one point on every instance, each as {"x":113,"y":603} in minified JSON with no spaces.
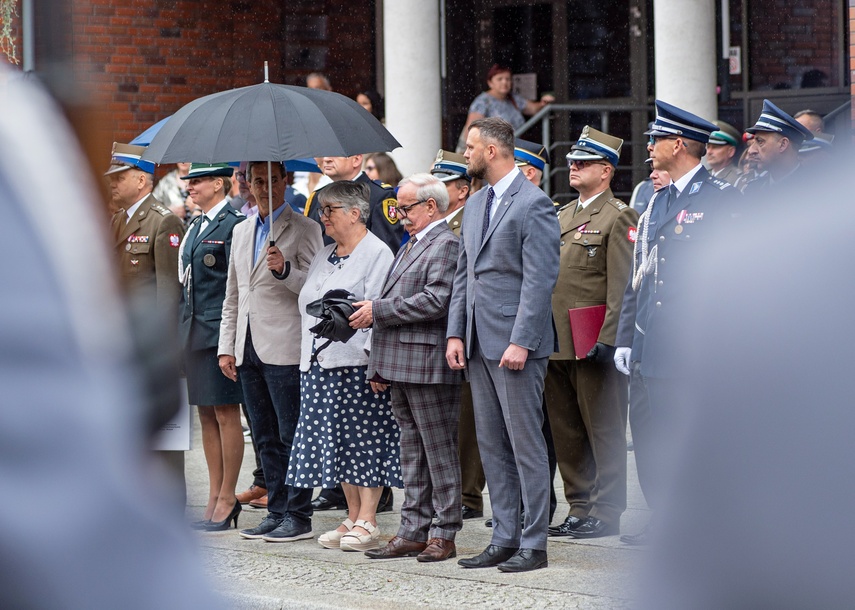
{"x":408,"y":350}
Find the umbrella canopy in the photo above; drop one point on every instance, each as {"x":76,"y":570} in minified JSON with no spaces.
{"x":292,"y":165}
{"x":268,"y":122}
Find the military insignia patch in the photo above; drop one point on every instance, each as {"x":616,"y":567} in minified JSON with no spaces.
{"x":632,"y":234}
{"x":390,"y":210}
{"x":174,"y":240}
{"x":695,"y":188}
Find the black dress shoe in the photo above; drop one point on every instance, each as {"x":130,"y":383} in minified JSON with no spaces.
{"x":491,"y":556}
{"x":387,"y":502}
{"x":566,"y":528}
{"x":592,"y":527}
{"x":471,"y":513}
{"x":322,"y":503}
{"x":525,"y":560}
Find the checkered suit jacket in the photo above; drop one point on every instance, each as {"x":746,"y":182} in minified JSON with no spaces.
{"x":411,"y":315}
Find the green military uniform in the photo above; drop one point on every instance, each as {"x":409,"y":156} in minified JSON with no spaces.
{"x":147,"y":249}
{"x":587,"y":401}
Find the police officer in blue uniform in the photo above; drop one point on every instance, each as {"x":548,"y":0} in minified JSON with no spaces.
{"x":775,"y":148}
{"x":689,"y":211}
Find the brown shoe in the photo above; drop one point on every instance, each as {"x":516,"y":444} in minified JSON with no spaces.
{"x":259,"y":502}
{"x":397,"y":547}
{"x":253,"y":493}
{"x":438,"y":549}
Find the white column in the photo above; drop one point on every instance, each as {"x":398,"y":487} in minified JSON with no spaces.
{"x":412,"y":81}
{"x":685,"y":55}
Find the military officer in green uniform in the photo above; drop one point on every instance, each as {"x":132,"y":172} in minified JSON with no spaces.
{"x":146,"y":234}
{"x":586,"y":397}
{"x":723,"y":152}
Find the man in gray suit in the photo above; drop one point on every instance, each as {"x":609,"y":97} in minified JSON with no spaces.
{"x":500,"y":324}
{"x":408,"y":349}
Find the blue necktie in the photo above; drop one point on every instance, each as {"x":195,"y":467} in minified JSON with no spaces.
{"x":491,"y":195}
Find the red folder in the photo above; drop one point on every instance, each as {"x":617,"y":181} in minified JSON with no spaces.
{"x":585,"y":325}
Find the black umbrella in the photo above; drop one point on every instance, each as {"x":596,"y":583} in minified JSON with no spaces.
{"x":268,"y":122}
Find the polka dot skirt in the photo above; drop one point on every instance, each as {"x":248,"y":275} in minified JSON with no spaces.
{"x":346,"y":432}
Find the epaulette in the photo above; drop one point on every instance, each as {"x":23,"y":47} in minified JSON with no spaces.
{"x":721,"y":184}
{"x":160,"y":209}
{"x":385,"y":185}
{"x":617,"y":203}
{"x":561,"y":207}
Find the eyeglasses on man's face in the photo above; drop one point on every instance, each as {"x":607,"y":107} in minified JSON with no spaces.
{"x":582,"y":163}
{"x":405,"y":209}
{"x":654,"y":139}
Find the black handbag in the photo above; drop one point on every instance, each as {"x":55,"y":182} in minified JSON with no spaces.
{"x":333,"y":309}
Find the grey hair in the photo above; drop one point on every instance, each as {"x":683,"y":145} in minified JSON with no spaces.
{"x":348,"y":193}
{"x":428,"y":187}
{"x":498,"y":131}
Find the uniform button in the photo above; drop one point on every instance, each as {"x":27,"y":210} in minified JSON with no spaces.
{"x":476,"y":276}
{"x":661,"y":283}
{"x":251,"y":288}
{"x":658,"y":303}
{"x":662,"y":260}
{"x":321,"y":358}
{"x":562,"y":242}
{"x":661,"y":238}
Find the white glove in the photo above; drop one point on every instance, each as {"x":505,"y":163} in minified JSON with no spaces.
{"x":622,"y":355}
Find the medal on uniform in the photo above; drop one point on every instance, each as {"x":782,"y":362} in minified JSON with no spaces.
{"x":678,"y":229}
{"x":127,"y":247}
{"x":209,"y":260}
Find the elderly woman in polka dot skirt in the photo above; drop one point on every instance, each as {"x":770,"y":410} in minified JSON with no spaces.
{"x":346,"y":433}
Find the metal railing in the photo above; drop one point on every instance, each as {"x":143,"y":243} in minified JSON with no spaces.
{"x":548,"y":115}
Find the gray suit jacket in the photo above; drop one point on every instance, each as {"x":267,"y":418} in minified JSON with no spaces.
{"x":269,"y":305}
{"x":504,"y":286}
{"x":410,"y":316}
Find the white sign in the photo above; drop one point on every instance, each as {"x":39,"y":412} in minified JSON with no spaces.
{"x":735,"y":60}
{"x":176,"y":434}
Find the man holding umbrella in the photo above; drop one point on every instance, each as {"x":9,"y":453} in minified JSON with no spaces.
{"x":260,"y":340}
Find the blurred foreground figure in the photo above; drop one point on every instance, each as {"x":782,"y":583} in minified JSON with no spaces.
{"x":72,"y":417}
{"x":762,"y":485}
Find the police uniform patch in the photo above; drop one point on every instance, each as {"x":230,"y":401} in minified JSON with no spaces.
{"x":174,"y":240}
{"x":390,"y":210}
{"x":632,"y":234}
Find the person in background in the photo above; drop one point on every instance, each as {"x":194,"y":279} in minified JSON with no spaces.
{"x":500,"y":101}
{"x":372,"y":101}
{"x":722,"y":152}
{"x":171,"y":191}
{"x":316,"y":80}
{"x":775,"y":148}
{"x":381,"y":168}
{"x":810,"y":119}
{"x":346,"y":433}
{"x":204,"y":263}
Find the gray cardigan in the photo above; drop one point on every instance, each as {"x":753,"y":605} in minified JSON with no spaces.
{"x":362,"y":273}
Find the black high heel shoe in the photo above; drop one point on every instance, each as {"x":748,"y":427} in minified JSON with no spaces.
{"x":219,"y":526}
{"x":200,"y":525}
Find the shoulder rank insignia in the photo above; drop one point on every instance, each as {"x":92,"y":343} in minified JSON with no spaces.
{"x":721,"y":184}
{"x":390,"y":210}
{"x":385,"y":185}
{"x":160,"y":209}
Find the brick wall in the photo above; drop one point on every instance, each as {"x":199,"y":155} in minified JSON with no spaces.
{"x":790,"y":37}
{"x":851,"y":22}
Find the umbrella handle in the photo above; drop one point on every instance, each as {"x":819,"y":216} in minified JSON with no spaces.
{"x":285,"y":272}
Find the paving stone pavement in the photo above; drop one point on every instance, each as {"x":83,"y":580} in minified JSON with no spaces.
{"x":592,"y":574}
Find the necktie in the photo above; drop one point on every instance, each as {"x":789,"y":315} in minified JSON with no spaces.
{"x":579,"y":208}
{"x":202,"y":226}
{"x":673,"y":193}
{"x":410,"y":244}
{"x":491,"y":195}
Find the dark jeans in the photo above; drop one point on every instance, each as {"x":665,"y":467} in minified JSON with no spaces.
{"x":258,"y":473}
{"x":272,"y":396}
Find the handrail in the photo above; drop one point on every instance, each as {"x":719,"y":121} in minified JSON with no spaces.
{"x":545,"y":114}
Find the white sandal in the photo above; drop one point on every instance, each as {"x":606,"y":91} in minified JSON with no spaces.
{"x":353,"y":541}
{"x":331,"y":539}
